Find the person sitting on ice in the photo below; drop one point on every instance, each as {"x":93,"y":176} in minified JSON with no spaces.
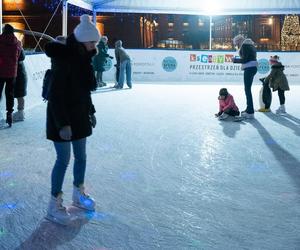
{"x":227,"y":106}
{"x":278,"y":82}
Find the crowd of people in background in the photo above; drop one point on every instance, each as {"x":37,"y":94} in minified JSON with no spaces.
{"x":100,"y":60}
{"x":123,"y":63}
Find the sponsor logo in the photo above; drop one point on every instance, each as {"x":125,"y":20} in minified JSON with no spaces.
{"x":263,"y":66}
{"x":169,"y":64}
{"x":205,"y":58}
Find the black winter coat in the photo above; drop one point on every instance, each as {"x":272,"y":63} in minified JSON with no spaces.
{"x":247,"y":53}
{"x":69,"y":99}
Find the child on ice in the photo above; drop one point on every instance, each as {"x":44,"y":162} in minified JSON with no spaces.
{"x":227,"y":106}
{"x":278,"y":82}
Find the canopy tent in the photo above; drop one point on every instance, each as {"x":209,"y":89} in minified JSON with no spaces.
{"x":187,"y":7}
{"x":193,"y":7}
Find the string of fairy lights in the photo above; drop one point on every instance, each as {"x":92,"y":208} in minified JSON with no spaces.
{"x":290,"y":35}
{"x":51,"y":5}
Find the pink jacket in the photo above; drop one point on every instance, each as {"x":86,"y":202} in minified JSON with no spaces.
{"x":10,"y":49}
{"x":227,"y":103}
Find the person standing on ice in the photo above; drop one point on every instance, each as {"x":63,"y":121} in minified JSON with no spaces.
{"x":20,"y":89}
{"x":124,"y":62}
{"x":70,"y":113}
{"x":10,"y":49}
{"x":100,"y":60}
{"x":278,"y":82}
{"x":247,"y":53}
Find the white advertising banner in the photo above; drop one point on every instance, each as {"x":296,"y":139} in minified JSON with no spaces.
{"x":199,"y":66}
{"x":36,"y":66}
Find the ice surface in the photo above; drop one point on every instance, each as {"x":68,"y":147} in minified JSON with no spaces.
{"x":165,"y":174}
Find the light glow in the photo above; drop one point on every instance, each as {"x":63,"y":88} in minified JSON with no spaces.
{"x":212,"y":7}
{"x":270,"y":21}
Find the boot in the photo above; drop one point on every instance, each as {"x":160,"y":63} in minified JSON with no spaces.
{"x":246,"y":115}
{"x":281,"y":110}
{"x":9,"y":119}
{"x":57,"y":212}
{"x":82,"y":200}
{"x":224,"y":116}
{"x":19,"y":116}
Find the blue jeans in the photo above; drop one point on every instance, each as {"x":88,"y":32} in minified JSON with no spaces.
{"x":249,"y":74}
{"x":63,"y":152}
{"x":125,"y":67}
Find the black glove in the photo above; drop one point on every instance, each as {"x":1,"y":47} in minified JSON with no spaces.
{"x":93,"y":120}
{"x":262,"y":79}
{"x":237,"y":60}
{"x":111,"y":57}
{"x":218,"y":114}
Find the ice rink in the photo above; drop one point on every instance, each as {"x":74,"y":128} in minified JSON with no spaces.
{"x":165,"y":173}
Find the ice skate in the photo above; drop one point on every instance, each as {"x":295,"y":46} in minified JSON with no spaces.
{"x":238,"y":119}
{"x":19,"y":116}
{"x":57,"y":212}
{"x":101,"y":84}
{"x":281,"y":110}
{"x":9,"y":119}
{"x":82,"y":200}
{"x":223,"y":116}
{"x":2,"y":123}
{"x":246,"y":115}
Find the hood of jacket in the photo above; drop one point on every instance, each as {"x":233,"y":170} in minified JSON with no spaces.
{"x":8,"y":39}
{"x":72,"y":48}
{"x":118,"y":44}
{"x":248,"y":41}
{"x":278,"y":66}
{"x":56,"y":50}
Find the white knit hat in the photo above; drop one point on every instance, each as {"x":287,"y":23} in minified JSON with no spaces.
{"x":238,"y":39}
{"x":86,"y":31}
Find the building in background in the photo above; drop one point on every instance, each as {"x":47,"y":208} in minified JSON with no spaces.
{"x":269,"y":32}
{"x":264,"y":30}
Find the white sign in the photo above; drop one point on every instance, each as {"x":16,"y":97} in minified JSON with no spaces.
{"x":199,"y":66}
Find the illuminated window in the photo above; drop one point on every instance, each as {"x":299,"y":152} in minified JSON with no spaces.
{"x":11,"y":5}
{"x":200,"y":23}
{"x":270,"y":21}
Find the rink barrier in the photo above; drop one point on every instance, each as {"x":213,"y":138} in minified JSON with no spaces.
{"x":199,"y":67}
{"x":36,"y":66}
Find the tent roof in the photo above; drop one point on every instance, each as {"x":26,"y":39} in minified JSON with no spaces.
{"x":193,"y":7}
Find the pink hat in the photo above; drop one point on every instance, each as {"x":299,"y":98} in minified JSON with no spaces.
{"x":274,"y":59}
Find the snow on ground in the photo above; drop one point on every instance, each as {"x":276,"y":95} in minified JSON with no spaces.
{"x":165,"y":174}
